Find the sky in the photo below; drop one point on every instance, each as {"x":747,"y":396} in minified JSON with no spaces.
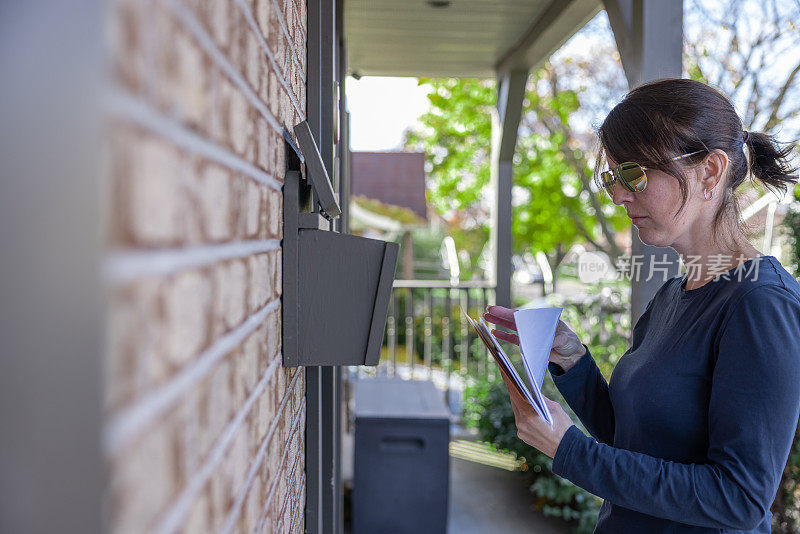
{"x":381,"y":108}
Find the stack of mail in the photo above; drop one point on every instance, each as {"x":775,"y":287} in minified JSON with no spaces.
{"x":536,"y":328}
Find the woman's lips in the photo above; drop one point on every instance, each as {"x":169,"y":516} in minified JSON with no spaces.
{"x":635,"y":220}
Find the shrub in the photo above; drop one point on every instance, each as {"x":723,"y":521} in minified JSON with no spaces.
{"x":786,"y":508}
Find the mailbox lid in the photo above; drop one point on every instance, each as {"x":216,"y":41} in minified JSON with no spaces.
{"x":382,"y":398}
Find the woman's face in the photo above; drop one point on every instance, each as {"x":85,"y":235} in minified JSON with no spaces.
{"x":657,"y":206}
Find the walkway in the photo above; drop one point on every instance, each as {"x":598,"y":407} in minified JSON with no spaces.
{"x":484,"y":499}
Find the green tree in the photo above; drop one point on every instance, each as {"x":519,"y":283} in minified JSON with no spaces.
{"x":554,"y":202}
{"x":731,"y":44}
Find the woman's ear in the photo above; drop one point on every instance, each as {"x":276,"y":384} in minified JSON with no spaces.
{"x":713,"y":168}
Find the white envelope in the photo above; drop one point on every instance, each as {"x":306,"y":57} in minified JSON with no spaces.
{"x":536,"y":328}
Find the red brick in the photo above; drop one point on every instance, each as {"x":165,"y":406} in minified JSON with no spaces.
{"x":162,"y":195}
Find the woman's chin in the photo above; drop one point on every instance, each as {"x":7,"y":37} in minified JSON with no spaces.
{"x":648,"y":237}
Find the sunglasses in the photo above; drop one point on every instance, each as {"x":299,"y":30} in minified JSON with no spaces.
{"x":630,"y":175}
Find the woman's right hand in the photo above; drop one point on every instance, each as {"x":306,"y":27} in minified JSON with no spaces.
{"x":567,"y":347}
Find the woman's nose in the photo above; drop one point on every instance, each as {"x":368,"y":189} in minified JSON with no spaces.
{"x":621,"y":195}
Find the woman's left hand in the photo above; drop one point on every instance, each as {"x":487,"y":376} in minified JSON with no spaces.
{"x":531,"y":428}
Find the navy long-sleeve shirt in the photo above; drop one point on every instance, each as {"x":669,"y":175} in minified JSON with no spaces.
{"x":693,"y":429}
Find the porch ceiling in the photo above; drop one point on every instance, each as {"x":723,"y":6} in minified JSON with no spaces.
{"x":469,"y":38}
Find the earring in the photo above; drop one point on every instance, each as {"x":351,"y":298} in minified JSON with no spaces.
{"x":706,"y":195}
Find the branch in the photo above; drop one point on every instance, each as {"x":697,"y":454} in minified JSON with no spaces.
{"x":579,"y":169}
{"x":582,"y":229}
{"x":752,"y":111}
{"x":772,"y":121}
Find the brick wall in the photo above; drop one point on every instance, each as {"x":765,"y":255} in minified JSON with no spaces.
{"x":204,"y":427}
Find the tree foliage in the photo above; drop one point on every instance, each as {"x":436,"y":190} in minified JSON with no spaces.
{"x":552,"y":201}
{"x":734,"y":45}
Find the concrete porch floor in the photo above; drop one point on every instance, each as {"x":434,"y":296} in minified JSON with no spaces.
{"x":485,"y":499}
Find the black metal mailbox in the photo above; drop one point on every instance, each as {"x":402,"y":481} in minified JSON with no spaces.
{"x":336,"y":287}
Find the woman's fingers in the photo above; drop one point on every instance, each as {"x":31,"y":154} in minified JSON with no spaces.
{"x":506,"y":336}
{"x":500,"y":318}
{"x":559,"y":339}
{"x":502,"y":312}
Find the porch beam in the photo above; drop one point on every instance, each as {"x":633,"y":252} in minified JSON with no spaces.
{"x":649,"y":36}
{"x":558,"y":22}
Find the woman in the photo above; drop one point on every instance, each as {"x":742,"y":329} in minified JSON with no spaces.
{"x":694,"y":427}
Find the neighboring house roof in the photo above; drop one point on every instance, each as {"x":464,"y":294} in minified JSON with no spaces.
{"x":396,"y":178}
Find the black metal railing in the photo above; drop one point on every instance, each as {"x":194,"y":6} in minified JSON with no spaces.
{"x":427,"y":336}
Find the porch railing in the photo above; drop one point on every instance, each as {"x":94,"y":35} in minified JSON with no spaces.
{"x":428,"y":338}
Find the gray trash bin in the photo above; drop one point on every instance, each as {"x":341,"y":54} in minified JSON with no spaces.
{"x":401,"y":464}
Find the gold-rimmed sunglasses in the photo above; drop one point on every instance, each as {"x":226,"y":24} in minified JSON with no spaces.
{"x":631,"y":175}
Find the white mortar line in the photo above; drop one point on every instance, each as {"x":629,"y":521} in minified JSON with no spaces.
{"x":289,"y":43}
{"x":122,"y":266}
{"x":205,"y":41}
{"x":233,"y":515}
{"x":173,"y":518}
{"x":296,"y":56}
{"x":248,"y":14}
{"x":274,"y":484}
{"x":127,"y":106}
{"x":303,"y":33}
{"x":300,"y":487}
{"x":132,"y":420}
{"x":288,"y":497}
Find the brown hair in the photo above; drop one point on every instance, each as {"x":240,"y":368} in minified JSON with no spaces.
{"x":671,"y":117}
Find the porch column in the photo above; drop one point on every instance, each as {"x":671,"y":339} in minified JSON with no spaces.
{"x":53,"y":327}
{"x":323,"y":383}
{"x":649,"y":37}
{"x":510,"y":94}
